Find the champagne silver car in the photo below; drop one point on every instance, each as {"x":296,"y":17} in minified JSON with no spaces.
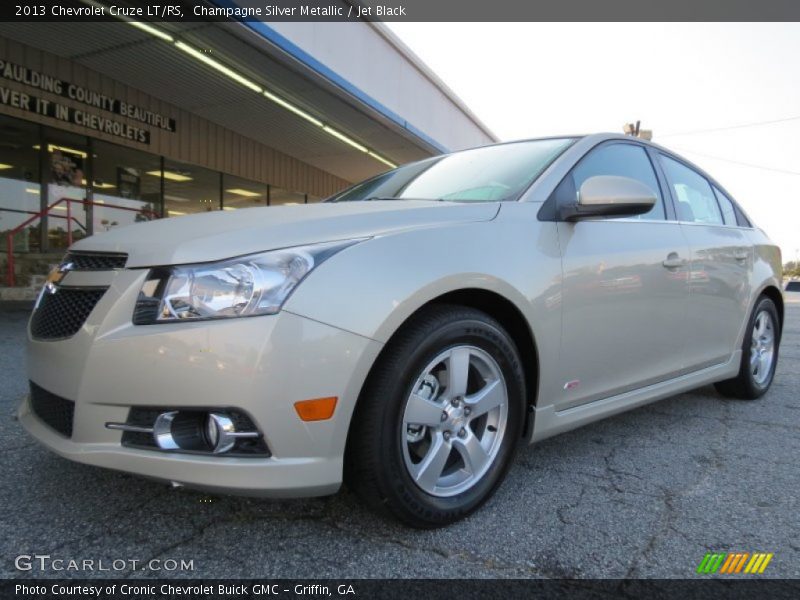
{"x":407,"y":334}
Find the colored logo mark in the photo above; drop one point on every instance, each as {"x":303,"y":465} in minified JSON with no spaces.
{"x":729,"y":563}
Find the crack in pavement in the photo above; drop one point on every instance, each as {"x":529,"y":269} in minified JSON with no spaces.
{"x":669,"y":511}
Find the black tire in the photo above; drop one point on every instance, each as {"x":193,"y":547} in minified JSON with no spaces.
{"x":745,"y":385}
{"x":375,"y":467}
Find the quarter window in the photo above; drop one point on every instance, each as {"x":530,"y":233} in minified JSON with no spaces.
{"x":728,"y":210}
{"x":622,"y":160}
{"x":694,"y":199}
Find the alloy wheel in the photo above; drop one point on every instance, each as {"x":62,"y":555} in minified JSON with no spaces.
{"x":762,"y":348}
{"x":454,"y":421}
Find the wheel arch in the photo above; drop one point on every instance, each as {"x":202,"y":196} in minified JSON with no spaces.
{"x":503,"y":310}
{"x":774,"y":294}
{"x":513,"y":321}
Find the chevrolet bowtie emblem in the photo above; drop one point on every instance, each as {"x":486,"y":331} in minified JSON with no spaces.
{"x":56,"y":275}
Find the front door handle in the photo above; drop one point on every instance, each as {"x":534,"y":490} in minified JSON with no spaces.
{"x":673,"y":261}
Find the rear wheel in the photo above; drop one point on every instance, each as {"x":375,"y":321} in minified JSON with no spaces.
{"x":759,"y":354}
{"x":439,"y":419}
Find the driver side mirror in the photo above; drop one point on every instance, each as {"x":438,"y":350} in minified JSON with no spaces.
{"x":610,"y":196}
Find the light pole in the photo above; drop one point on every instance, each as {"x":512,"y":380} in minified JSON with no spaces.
{"x":796,"y":263}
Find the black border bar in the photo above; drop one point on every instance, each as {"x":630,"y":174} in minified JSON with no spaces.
{"x":701,"y":588}
{"x":405,"y":10}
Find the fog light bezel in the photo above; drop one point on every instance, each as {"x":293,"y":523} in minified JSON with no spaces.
{"x":184,"y":430}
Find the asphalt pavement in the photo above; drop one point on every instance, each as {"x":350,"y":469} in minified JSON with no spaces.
{"x":644,"y":494}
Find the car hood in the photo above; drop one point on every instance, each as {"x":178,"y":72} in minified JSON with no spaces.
{"x":223,"y":234}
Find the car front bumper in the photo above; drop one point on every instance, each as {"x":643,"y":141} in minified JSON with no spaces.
{"x":259,"y":365}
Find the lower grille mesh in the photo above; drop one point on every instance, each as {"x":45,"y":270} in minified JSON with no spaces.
{"x":55,"y":411}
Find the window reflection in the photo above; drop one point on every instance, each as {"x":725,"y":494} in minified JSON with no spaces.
{"x":123,"y":193}
{"x":67,"y":161}
{"x":189,"y":189}
{"x":19,"y":183}
{"x":281,"y":197}
{"x":242,"y":193}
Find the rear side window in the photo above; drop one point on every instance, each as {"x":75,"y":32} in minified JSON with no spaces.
{"x":694,"y":198}
{"x":728,"y":210}
{"x":622,"y":160}
{"x":740,"y":218}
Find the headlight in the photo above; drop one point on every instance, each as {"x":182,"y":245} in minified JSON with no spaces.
{"x":257,"y":284}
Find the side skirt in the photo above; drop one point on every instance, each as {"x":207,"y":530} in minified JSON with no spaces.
{"x":549,"y":422}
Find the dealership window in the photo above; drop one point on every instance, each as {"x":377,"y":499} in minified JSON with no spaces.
{"x":278,"y":197}
{"x":19,"y":183}
{"x":189,"y":189}
{"x":93,"y":186}
{"x":66,"y":164}
{"x":126,"y":186}
{"x":242,"y":193}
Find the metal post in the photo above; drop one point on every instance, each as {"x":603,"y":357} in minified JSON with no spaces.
{"x":89,"y":191}
{"x":69,"y":222}
{"x":44,"y":191}
{"x":10,"y":260}
{"x":221,"y":193}
{"x":163,"y":210}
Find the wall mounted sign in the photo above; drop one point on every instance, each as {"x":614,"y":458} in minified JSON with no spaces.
{"x":67,"y":114}
{"x":53,"y":85}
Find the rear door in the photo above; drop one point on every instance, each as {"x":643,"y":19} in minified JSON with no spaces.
{"x":721,"y":265}
{"x":624,"y":287}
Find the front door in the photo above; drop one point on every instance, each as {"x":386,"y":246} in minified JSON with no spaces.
{"x":624,"y":289}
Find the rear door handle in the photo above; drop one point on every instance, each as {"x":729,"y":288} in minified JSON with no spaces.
{"x":741,"y":256}
{"x":673,"y":261}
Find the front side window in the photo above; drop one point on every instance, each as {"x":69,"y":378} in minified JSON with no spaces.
{"x":694,"y":198}
{"x":621,"y":160}
{"x":488,"y":174}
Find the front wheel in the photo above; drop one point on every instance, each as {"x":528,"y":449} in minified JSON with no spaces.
{"x":759,"y":354}
{"x":439,"y":419}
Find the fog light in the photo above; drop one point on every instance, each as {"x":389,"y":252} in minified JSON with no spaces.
{"x":212,"y":430}
{"x":220,"y":432}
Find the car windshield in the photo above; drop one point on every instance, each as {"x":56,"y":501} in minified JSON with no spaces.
{"x":489,"y":174}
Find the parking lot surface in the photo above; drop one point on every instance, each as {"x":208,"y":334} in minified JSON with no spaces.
{"x":644,"y":494}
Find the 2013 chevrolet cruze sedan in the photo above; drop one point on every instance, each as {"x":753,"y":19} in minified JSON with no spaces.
{"x":405,"y":335}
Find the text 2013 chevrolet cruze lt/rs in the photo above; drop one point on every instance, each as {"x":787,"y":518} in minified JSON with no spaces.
{"x":407,"y":334}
